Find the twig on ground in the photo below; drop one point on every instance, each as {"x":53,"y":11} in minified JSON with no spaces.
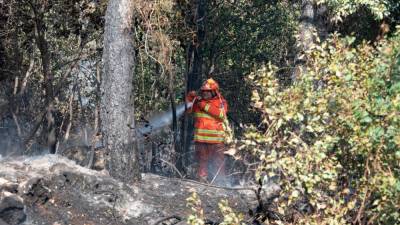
{"x":167,"y":218}
{"x":173,"y":167}
{"x":249,"y":188}
{"x":219,"y":170}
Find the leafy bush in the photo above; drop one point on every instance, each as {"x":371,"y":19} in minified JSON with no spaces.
{"x":333,"y":137}
{"x":197,"y":213}
{"x":230,"y":217}
{"x":343,"y":8}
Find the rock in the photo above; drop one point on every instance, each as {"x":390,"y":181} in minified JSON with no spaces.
{"x":6,"y":185}
{"x":3,"y":223}
{"x":11,"y":209}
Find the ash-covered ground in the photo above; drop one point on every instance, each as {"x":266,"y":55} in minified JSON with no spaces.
{"x":54,"y":190}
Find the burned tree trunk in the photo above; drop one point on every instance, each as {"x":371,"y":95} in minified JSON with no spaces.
{"x":117,"y":109}
{"x":194,"y":63}
{"x":43,"y":46}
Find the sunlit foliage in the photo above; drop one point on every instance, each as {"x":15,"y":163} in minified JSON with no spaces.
{"x":197,"y":216}
{"x":333,"y":137}
{"x":343,"y":8}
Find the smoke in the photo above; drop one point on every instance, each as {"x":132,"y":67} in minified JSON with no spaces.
{"x":10,"y":143}
{"x":216,"y":174}
{"x":159,"y":121}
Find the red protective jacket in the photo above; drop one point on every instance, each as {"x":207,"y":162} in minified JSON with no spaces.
{"x":209,"y":116}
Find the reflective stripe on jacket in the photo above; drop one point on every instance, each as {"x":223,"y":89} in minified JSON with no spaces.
{"x":209,"y":116}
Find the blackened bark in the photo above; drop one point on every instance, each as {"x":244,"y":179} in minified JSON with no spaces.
{"x":183,"y":156}
{"x":194,"y":78}
{"x":194,"y":61}
{"x":176,"y":141}
{"x":43,"y":49}
{"x":117,"y":109}
{"x":96,"y":117}
{"x":50,"y":127}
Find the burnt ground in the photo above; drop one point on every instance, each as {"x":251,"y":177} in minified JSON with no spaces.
{"x":53,"y":190}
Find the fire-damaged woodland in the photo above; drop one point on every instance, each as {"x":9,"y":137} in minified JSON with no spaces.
{"x":199,"y":112}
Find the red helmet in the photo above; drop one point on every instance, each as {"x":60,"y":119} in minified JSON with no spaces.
{"x":210,"y":85}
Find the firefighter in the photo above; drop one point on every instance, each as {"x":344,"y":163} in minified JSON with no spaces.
{"x":209,"y":111}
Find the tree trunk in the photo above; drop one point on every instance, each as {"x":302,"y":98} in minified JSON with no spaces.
{"x":194,"y":78}
{"x":313,"y":25}
{"x":176,"y":142}
{"x":306,"y":36}
{"x":43,"y":46}
{"x":117,"y":109}
{"x":194,"y":61}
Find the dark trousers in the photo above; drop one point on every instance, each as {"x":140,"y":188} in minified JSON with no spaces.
{"x":211,"y":160}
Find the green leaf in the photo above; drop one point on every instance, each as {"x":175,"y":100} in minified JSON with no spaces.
{"x":398,"y":185}
{"x":366,"y":119}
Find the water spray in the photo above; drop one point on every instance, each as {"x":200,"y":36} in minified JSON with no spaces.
{"x":162,"y":120}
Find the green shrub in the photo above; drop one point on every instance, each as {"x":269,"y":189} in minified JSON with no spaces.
{"x":333,"y":137}
{"x":197,"y":216}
